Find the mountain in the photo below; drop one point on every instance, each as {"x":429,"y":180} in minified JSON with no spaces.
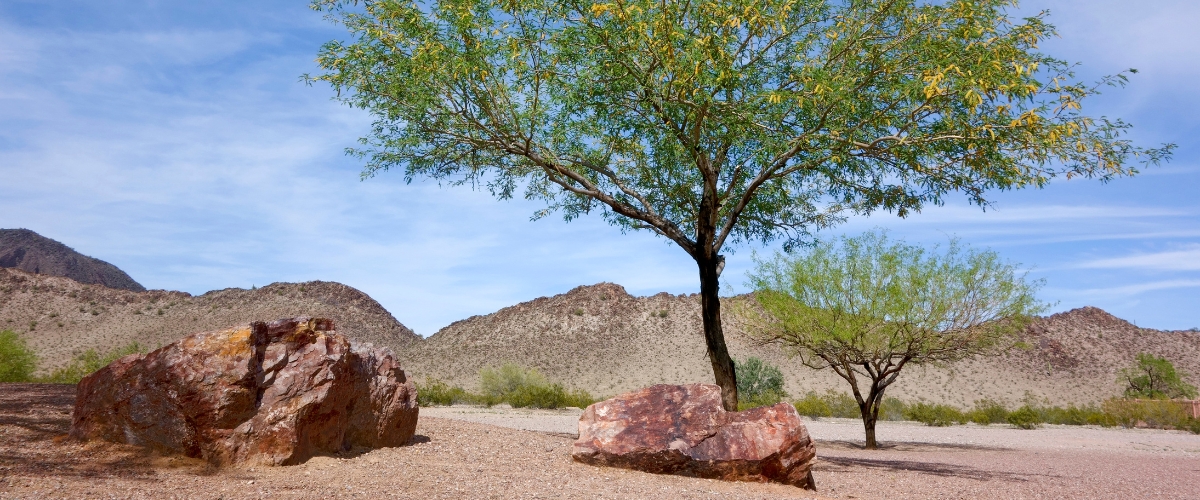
{"x":60,"y":317}
{"x":31,"y":252}
{"x":604,"y":340}
{"x":599,"y":338}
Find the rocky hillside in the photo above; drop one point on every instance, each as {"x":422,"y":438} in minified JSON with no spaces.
{"x":60,"y":317}
{"x":604,"y":340}
{"x":31,"y":252}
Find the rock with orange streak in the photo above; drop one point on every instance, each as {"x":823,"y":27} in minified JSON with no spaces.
{"x":267,"y":393}
{"x":683,"y":429}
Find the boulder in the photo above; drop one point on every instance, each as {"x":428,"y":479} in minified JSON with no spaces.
{"x":683,"y":429}
{"x":267,"y":393}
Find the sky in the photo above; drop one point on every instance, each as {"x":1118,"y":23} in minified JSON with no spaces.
{"x":177,"y":141}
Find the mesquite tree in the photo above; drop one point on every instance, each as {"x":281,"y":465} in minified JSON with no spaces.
{"x":870,"y":307}
{"x":718,"y":122}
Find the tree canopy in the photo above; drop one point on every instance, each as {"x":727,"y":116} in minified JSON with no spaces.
{"x":868,"y":307}
{"x":723,"y":121}
{"x":1154,"y":377}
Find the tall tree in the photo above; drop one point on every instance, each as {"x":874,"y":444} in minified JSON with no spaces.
{"x":869,"y":307}
{"x":1154,"y":377}
{"x":719,"y":122}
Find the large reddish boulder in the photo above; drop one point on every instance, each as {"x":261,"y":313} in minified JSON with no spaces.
{"x":273,"y":394}
{"x":683,"y":429}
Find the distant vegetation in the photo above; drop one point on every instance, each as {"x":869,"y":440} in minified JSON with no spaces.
{"x":1153,"y":377}
{"x":510,"y":383}
{"x":1159,"y":414}
{"x":18,"y":362}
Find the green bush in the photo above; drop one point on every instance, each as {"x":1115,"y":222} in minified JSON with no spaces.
{"x":987,"y":412}
{"x":759,"y":383}
{"x":830,"y":404}
{"x":935,"y":415}
{"x":1074,"y":415}
{"x":17,"y":360}
{"x":1025,"y":417}
{"x":892,"y":409}
{"x":1157,"y":413}
{"x":87,"y":363}
{"x":526,"y":388}
{"x":1153,"y":377}
{"x":434,"y":392}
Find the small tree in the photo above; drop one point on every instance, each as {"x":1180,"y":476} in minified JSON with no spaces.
{"x":17,"y":360}
{"x":719,"y":122}
{"x":1153,"y":377}
{"x":870,"y":307}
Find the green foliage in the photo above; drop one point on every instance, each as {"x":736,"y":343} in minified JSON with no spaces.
{"x":1025,"y":417}
{"x":434,"y":392}
{"x":759,"y":383}
{"x":987,"y":412}
{"x":892,"y":409}
{"x":17,"y":360}
{"x":89,"y":361}
{"x":521,"y":387}
{"x":935,"y":415}
{"x":829,"y":404}
{"x":1153,"y":377}
{"x":1156,"y":413}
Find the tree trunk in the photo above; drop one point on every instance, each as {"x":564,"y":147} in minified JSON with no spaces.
{"x":714,"y":336}
{"x":870,"y":414}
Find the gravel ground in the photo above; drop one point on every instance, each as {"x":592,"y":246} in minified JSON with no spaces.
{"x":505,"y":453}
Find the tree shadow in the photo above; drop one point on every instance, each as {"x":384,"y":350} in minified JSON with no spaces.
{"x":910,"y":446}
{"x":851,"y":464}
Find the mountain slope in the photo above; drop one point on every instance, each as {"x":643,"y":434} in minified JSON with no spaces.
{"x":604,"y":340}
{"x":31,"y":252}
{"x":60,"y":317}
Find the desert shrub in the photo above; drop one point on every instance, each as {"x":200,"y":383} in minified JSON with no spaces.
{"x":829,"y":404}
{"x":17,"y":360}
{"x":1155,"y":413}
{"x":1025,"y":417}
{"x":88,"y":362}
{"x":892,"y":409}
{"x":434,"y":392}
{"x":987,"y":412}
{"x":934,"y":415}
{"x":759,"y":383}
{"x":522,"y":388}
{"x":1075,"y":415}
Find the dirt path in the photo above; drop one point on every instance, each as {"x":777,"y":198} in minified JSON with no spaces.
{"x":480,"y":453}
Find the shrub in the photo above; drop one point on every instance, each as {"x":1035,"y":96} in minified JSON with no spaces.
{"x":88,"y":362}
{"x":1025,"y":417}
{"x":434,"y":392}
{"x":1150,"y":412}
{"x":1073,"y":415}
{"x":524,"y":388}
{"x":17,"y":360}
{"x":987,"y":412}
{"x":934,"y":415}
{"x":758,"y":383}
{"x":830,"y":404}
{"x":892,"y":409}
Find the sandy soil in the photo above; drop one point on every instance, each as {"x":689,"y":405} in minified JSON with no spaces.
{"x":505,"y":453}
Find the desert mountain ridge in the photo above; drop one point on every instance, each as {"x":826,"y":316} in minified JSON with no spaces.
{"x":597,"y":337}
{"x":31,"y":252}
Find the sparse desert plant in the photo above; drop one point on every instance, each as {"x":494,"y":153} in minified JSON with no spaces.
{"x":522,"y":388}
{"x":1025,"y":417}
{"x":987,"y":412}
{"x":17,"y":360}
{"x":829,"y":404}
{"x":87,"y":362}
{"x":759,"y":383}
{"x":934,"y":415}
{"x":434,"y":392}
{"x":1157,"y":413}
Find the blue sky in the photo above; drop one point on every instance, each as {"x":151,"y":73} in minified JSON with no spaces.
{"x":175,"y":140}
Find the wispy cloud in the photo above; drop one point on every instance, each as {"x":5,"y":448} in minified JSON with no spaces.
{"x":1139,"y":288}
{"x":1174,"y":260}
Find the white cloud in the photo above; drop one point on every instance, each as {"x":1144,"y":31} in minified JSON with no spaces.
{"x":1175,"y":260}
{"x":1138,"y":288}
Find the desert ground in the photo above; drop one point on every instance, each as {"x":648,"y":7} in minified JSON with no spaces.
{"x":469,"y":452}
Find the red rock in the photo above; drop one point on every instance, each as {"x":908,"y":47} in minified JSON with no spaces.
{"x":683,"y":429}
{"x":273,"y":394}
